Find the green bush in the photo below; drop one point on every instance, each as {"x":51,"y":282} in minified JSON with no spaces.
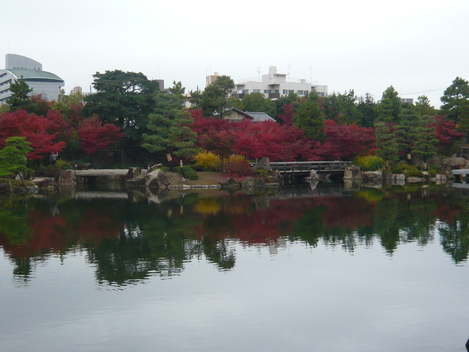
{"x":397,"y":169}
{"x":370,"y":163}
{"x":52,"y":171}
{"x":198,"y":168}
{"x":189,"y":172}
{"x":63,"y":164}
{"x":408,"y":170}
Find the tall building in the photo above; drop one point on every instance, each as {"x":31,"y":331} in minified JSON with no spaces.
{"x":275,"y":85}
{"x":22,"y":67}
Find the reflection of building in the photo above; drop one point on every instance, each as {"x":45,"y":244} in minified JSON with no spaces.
{"x":21,"y":67}
{"x":275,"y":85}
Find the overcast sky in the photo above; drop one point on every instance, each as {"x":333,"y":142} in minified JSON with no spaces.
{"x":419,"y":47}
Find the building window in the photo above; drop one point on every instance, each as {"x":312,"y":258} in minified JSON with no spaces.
{"x":256,"y":90}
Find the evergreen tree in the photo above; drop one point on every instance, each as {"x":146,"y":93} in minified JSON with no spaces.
{"x":425,"y":140}
{"x":454,"y":99}
{"x":169,"y":126}
{"x":257,"y":101}
{"x":368,"y":110}
{"x":309,"y":117}
{"x":342,"y":108}
{"x":124,"y":99}
{"x":13,"y":157}
{"x":423,"y":106}
{"x":20,"y":98}
{"x":215,"y":99}
{"x":405,"y":130}
{"x":282,"y":101}
{"x":389,"y":107}
{"x":387,"y":147}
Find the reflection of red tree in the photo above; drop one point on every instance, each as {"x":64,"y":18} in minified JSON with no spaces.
{"x":46,"y":236}
{"x":447,"y":211}
{"x":53,"y":234}
{"x":347,"y":212}
{"x":256,"y":226}
{"x":97,"y":226}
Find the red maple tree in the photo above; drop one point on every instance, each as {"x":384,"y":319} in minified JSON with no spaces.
{"x":96,"y":137}
{"x":38,"y":130}
{"x":344,"y":142}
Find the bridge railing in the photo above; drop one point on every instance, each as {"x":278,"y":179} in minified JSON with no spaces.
{"x":306,"y":166}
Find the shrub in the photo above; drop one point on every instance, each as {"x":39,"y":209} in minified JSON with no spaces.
{"x":198,"y":168}
{"x":52,"y":171}
{"x":189,"y":172}
{"x":236,"y":165}
{"x":208,"y":160}
{"x":63,"y":164}
{"x":398,"y":168}
{"x":370,"y":163}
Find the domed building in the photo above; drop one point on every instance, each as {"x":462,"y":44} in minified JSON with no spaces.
{"x":22,"y":67}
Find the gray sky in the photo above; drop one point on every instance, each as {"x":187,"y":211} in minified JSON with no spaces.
{"x":419,"y":47}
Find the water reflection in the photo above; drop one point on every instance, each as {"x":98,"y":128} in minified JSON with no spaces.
{"x":129,"y":237}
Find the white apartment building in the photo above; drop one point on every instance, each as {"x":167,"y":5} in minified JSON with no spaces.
{"x":275,"y":85}
{"x":22,"y":67}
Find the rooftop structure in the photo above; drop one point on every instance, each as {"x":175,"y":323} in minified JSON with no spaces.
{"x":275,"y":85}
{"x":22,"y":67}
{"x":407,"y":100}
{"x":238,"y":115}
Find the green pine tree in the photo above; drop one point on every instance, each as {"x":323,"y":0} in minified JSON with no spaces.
{"x":387,"y":147}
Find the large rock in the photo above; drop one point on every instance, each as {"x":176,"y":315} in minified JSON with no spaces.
{"x":373,"y":176}
{"x":230,"y":183}
{"x":439,"y":179}
{"x":139,"y":181}
{"x":416,"y":179}
{"x":67,"y":179}
{"x":313,"y":176}
{"x":251,"y":182}
{"x":133,"y":172}
{"x":352,"y":173}
{"x":395,"y":179}
{"x":263,"y":164}
{"x":158,"y":179}
{"x":46,"y":184}
{"x":456,"y":163}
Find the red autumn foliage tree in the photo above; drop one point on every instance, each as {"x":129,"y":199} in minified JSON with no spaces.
{"x":96,"y":137}
{"x":57,"y":124}
{"x":219,"y":142}
{"x":201,"y":124}
{"x":38,"y":130}
{"x":446,"y":132}
{"x":287,"y":116}
{"x":269,"y":139}
{"x":344,"y":142}
{"x":256,"y":139}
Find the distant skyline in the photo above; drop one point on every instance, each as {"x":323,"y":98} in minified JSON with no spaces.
{"x":416,"y":46}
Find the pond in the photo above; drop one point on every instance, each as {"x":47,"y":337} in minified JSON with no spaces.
{"x":300,"y":269}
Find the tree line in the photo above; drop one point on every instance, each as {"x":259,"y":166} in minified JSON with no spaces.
{"x":131,"y":121}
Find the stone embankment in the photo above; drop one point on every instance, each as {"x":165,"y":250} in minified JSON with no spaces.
{"x":374,"y":178}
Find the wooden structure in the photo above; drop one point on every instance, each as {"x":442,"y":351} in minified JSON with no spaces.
{"x":303,"y":168}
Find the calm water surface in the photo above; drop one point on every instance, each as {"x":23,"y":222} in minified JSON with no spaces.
{"x":296,"y":270}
